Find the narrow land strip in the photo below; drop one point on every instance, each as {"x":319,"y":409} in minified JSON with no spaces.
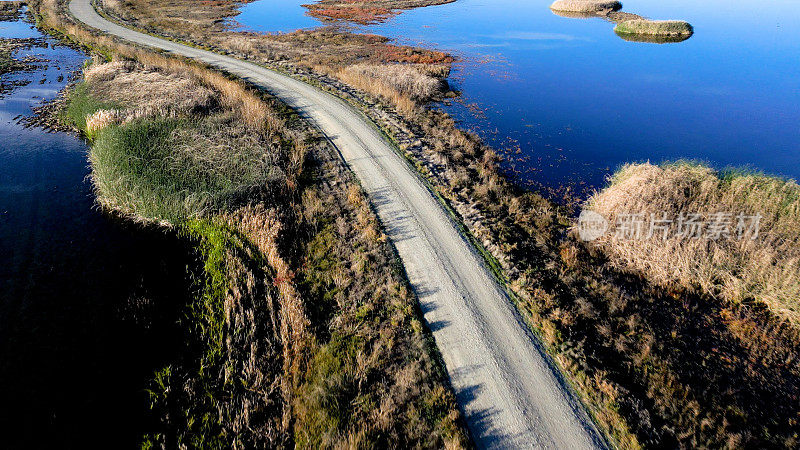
{"x":510,"y":393}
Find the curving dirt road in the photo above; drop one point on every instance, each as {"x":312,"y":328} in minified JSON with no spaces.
{"x":507,"y":389}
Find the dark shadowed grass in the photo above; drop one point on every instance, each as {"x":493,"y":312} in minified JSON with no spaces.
{"x":232,"y":310}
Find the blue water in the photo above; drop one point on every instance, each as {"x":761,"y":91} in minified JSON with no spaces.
{"x":571,"y":101}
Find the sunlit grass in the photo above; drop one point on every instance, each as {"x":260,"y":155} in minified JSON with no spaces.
{"x":654,"y":27}
{"x":764,"y":268}
{"x":171,"y":169}
{"x":585,"y":6}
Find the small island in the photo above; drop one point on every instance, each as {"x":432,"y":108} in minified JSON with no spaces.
{"x":591,"y":7}
{"x":630,"y":27}
{"x":658,"y":30}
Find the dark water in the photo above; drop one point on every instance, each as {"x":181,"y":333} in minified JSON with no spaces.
{"x":571,"y":100}
{"x":88,"y":304}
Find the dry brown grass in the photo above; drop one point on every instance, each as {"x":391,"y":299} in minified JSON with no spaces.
{"x":377,"y":87}
{"x":101,"y":119}
{"x":144,"y":91}
{"x":233,"y":94}
{"x":403,"y":75}
{"x":407,"y":81}
{"x":765,"y":268}
{"x":585,"y":6}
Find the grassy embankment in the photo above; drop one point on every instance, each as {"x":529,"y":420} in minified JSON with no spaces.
{"x":657,"y":366}
{"x":303,"y":330}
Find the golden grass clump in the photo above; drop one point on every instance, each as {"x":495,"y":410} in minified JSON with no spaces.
{"x":101,"y":119}
{"x":148,"y":90}
{"x":654,"y":27}
{"x":379,"y":87}
{"x":762,"y":265}
{"x":585,"y":6}
{"x":405,"y":79}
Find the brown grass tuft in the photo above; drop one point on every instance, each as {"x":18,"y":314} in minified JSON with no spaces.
{"x":765,"y":268}
{"x":586,"y":6}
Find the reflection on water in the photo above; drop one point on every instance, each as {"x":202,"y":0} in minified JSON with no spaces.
{"x":577,"y":100}
{"x":88,"y":304}
{"x":653,"y":39}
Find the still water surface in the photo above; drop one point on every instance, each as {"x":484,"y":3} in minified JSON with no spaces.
{"x":88,"y":304}
{"x":578,"y":101}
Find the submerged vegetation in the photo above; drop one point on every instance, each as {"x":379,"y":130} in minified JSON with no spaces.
{"x":10,"y":10}
{"x":8,"y":62}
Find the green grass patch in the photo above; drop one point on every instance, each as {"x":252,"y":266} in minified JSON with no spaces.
{"x":171,"y":169}
{"x":324,"y":404}
{"x":654,"y":27}
{"x":80,"y":105}
{"x":207,"y":314}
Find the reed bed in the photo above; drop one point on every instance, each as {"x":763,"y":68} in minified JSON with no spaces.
{"x":585,"y":6}
{"x":763,"y":267}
